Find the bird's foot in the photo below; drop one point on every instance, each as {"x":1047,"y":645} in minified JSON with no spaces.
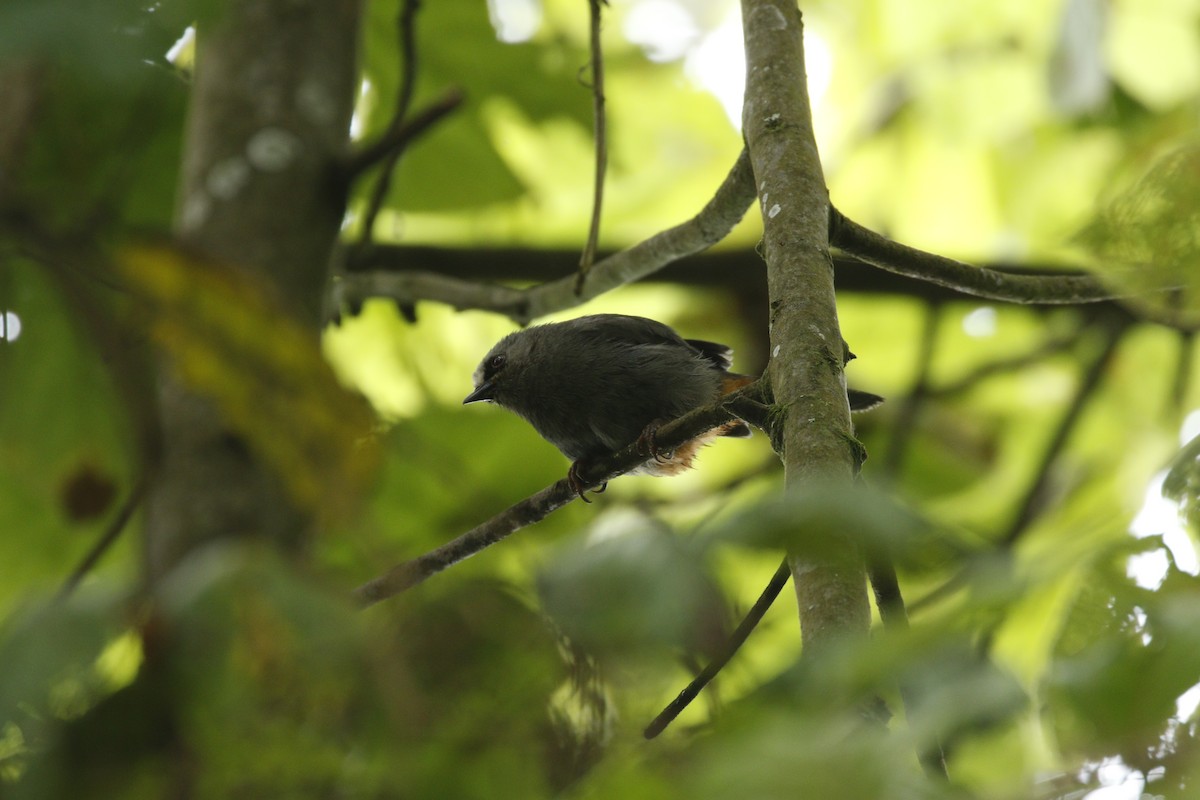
{"x":647,"y":445}
{"x":576,"y":483}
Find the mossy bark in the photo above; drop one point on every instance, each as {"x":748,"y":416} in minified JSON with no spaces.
{"x":814,"y":437}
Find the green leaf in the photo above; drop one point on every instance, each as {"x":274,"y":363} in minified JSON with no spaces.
{"x":634,"y":591}
{"x":60,"y":421}
{"x":1148,"y":237}
{"x":457,"y":165}
{"x":816,"y":520}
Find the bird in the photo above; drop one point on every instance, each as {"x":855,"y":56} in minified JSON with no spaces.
{"x":598,"y":383}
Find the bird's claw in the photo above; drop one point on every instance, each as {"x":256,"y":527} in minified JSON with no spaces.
{"x":647,"y":445}
{"x":576,"y":483}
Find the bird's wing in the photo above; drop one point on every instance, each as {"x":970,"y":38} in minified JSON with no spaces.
{"x":640,"y":330}
{"x":721,"y":355}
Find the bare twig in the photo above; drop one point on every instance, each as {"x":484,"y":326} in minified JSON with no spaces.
{"x":1183,"y":371}
{"x":732,"y":645}
{"x":1090,"y":379}
{"x":709,"y":226}
{"x":538,"y":506}
{"x":890,"y":603}
{"x":106,"y":540}
{"x":601,"y":137}
{"x":1050,"y":347}
{"x":910,"y":405}
{"x":881,"y":571}
{"x":1034,"y":495}
{"x":394,"y":142}
{"x":881,"y":252}
{"x":406,"y":36}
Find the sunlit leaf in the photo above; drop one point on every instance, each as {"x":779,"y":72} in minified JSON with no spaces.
{"x":60,"y":461}
{"x":635,"y":589}
{"x":1148,"y":238}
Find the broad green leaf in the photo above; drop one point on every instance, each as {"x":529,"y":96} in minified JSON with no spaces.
{"x":65,"y":447}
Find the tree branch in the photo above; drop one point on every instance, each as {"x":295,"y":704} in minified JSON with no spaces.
{"x":732,"y":645}
{"x":541,"y":504}
{"x":910,"y":405}
{"x":395,"y":141}
{"x":1035,"y":493}
{"x":881,"y":252}
{"x":709,"y":226}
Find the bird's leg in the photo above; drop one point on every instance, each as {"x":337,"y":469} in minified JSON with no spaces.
{"x":576,"y":484}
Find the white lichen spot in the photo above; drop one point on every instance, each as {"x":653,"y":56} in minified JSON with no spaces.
{"x":817,"y":331}
{"x":272,"y":149}
{"x":195,"y":211}
{"x":773,"y":118}
{"x":775,"y":209}
{"x":227,"y":177}
{"x":775,"y":352}
{"x":762,"y":186}
{"x":769,"y":18}
{"x":315,"y":103}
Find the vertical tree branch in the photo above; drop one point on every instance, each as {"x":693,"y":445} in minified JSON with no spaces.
{"x":910,"y":405}
{"x":813,"y":435}
{"x":406,"y":40}
{"x":601,"y":136}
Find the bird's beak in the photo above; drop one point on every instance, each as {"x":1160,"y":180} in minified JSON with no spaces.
{"x":482,"y":392}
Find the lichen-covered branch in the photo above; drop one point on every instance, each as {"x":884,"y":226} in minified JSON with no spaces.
{"x":879,"y":251}
{"x":708,"y":227}
{"x":814,"y":439}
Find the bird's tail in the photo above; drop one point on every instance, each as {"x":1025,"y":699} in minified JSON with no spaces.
{"x":731,"y":382}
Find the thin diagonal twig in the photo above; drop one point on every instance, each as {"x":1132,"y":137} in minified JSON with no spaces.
{"x":106,"y":540}
{"x":540,"y":505}
{"x":732,"y":645}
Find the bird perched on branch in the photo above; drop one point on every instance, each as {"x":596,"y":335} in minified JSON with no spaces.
{"x":593,"y":385}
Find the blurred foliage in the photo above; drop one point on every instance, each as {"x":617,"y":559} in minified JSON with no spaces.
{"x":1024,"y":132}
{"x":229,"y":341}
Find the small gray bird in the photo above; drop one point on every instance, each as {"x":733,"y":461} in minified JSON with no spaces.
{"x":592,"y":385}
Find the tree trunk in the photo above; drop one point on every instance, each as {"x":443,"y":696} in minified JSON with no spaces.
{"x":270,"y":111}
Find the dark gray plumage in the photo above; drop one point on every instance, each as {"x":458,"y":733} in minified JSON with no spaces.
{"x":592,"y":385}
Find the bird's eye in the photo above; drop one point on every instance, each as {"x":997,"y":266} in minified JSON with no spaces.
{"x":496,"y":362}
